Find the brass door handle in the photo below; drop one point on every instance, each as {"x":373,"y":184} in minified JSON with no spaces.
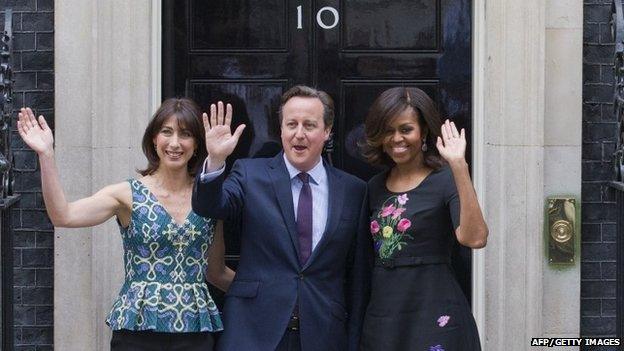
{"x":561,"y":232}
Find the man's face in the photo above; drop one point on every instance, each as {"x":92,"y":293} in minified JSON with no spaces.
{"x":303,"y":131}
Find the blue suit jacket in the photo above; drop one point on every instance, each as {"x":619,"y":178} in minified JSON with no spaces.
{"x":331,"y":289}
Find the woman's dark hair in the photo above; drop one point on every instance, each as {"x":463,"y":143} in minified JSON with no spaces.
{"x":188,"y":116}
{"x":390,"y":104}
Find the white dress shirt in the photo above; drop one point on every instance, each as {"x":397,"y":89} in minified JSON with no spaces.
{"x":318,"y":186}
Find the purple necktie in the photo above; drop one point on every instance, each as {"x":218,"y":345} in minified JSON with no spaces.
{"x":304,"y":218}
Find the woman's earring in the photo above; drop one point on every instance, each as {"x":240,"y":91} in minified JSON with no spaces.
{"x":424,"y":145}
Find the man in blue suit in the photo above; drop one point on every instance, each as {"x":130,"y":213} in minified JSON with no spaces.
{"x":303,"y":278}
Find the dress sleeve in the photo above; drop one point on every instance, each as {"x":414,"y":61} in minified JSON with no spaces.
{"x":452,"y":198}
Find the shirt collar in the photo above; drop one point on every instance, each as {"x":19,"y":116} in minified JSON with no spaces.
{"x":317,"y":173}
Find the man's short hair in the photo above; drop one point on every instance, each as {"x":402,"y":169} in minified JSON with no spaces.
{"x":305,"y":91}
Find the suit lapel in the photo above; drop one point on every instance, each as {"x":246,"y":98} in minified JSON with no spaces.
{"x":336,"y":192}
{"x":281,"y":185}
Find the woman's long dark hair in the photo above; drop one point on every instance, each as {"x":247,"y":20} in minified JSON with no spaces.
{"x":390,"y":104}
{"x":188,"y":116}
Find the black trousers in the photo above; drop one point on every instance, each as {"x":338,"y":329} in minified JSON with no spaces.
{"x":130,"y":340}
{"x":290,"y":341}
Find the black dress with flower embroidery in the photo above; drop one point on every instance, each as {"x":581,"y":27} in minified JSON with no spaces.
{"x":416,"y":303}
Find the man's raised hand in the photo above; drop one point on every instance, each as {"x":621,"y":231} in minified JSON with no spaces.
{"x":220,"y":142}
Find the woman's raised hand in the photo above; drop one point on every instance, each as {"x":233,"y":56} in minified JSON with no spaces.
{"x":452,"y":144}
{"x":220,"y":142}
{"x":36,"y":134}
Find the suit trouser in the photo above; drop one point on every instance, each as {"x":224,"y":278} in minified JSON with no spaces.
{"x":290,"y":341}
{"x":131,"y":340}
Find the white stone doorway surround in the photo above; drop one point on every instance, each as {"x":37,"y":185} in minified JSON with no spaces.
{"x":527,"y":66}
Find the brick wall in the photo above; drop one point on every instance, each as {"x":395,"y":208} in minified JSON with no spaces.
{"x":33,"y":28}
{"x":598,"y":248}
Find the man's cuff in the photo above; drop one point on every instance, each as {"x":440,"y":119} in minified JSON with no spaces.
{"x":205,"y":176}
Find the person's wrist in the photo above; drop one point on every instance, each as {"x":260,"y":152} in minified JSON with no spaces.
{"x":214,"y":163}
{"x":46,"y":154}
{"x":458,"y":163}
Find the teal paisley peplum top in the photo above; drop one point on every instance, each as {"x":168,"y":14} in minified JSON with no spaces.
{"x":164,"y":288}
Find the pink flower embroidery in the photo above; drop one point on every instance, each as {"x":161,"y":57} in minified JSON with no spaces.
{"x":374,"y":227}
{"x":443,"y":320}
{"x":386,"y":211}
{"x":396,"y":213}
{"x":402,"y":199}
{"x":404,"y":224}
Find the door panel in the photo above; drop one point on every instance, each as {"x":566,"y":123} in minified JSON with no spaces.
{"x":240,"y":65}
{"x":372,"y":66}
{"x":249,"y":52}
{"x":253,"y":102}
{"x":238,"y":24}
{"x":390,"y":25}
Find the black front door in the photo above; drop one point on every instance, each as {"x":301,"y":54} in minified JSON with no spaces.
{"x":248,"y":52}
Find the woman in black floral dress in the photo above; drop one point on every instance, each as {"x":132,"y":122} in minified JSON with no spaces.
{"x":418,"y":207}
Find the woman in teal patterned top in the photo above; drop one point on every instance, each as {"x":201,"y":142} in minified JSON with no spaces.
{"x":164,"y":303}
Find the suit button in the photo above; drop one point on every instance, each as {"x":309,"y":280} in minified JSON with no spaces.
{"x":301,"y":276}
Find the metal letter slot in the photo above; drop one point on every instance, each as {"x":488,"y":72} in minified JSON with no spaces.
{"x":561,"y":230}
